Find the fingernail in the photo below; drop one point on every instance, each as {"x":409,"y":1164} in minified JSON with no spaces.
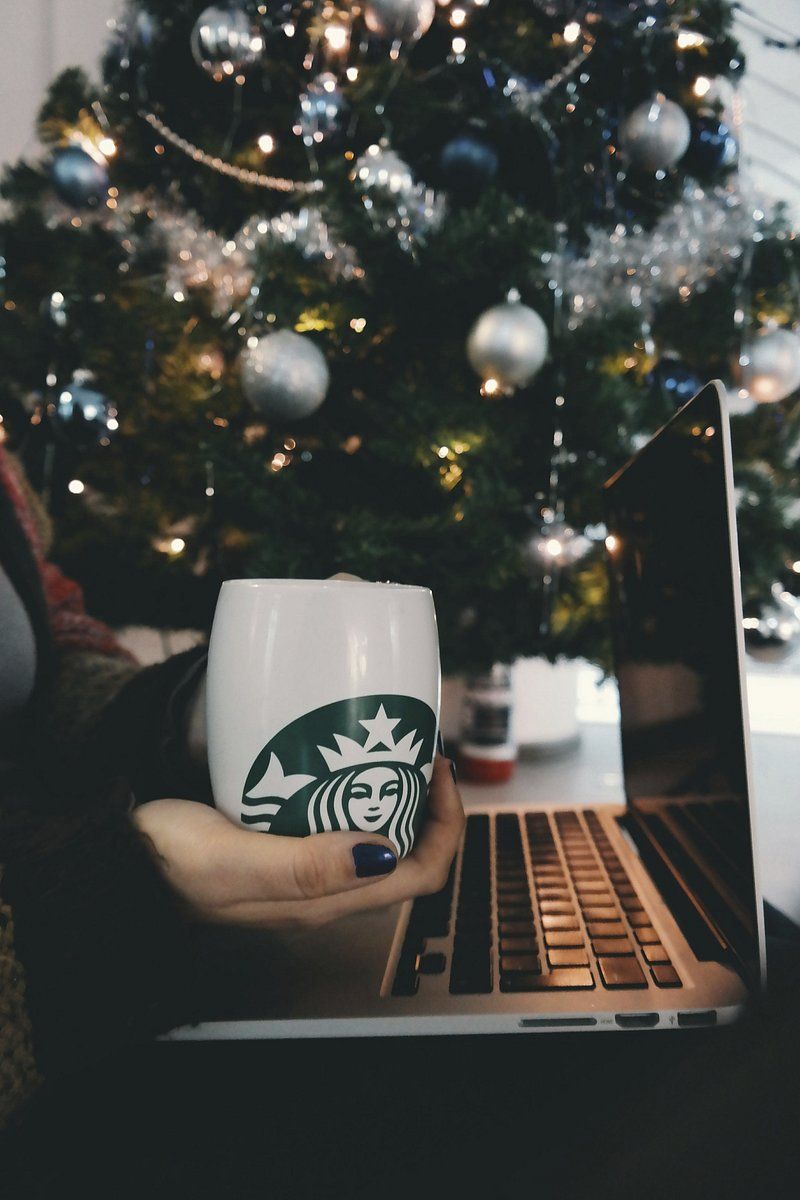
{"x":453,"y":771}
{"x":373,"y":860}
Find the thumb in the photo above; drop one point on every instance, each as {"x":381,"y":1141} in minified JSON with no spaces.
{"x":272,"y":867}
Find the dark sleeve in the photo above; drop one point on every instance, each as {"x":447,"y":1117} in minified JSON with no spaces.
{"x":105,"y":943}
{"x":103,"y":720}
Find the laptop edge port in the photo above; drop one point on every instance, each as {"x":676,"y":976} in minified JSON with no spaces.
{"x":687,"y":1019}
{"x":636,"y":1020}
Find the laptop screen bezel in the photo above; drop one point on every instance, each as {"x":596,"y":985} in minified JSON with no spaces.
{"x":714,"y":393}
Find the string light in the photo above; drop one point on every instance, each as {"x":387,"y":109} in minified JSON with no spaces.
{"x":612,"y":543}
{"x":107,"y":147}
{"x":76,"y":486}
{"x":337,"y":36}
{"x":572,"y":32}
{"x":458,"y":17}
{"x":266,"y":143}
{"x":459,"y":45}
{"x":701,"y":86}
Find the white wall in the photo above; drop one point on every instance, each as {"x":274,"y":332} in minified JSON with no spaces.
{"x":771,"y":98}
{"x":38,"y":38}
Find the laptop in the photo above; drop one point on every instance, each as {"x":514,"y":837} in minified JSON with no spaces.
{"x":643,"y":915}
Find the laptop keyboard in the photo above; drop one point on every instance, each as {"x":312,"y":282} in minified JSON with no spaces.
{"x":574,"y":922}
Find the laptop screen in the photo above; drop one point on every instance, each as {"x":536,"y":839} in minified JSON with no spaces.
{"x":677,"y":660}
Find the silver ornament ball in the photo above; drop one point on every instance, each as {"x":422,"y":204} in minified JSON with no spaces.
{"x":399,"y":20}
{"x":655,"y":135}
{"x":284,"y":375}
{"x":225,"y":41}
{"x":508,"y":343}
{"x":772,"y":632}
{"x":322,"y":110}
{"x":770,"y":364}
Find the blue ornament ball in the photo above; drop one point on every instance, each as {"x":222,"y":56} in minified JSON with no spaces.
{"x":467,"y":164}
{"x":77,"y":178}
{"x":81,"y":412}
{"x":674,"y":380}
{"x":712,"y":146}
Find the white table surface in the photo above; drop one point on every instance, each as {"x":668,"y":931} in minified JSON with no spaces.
{"x":592,"y":774}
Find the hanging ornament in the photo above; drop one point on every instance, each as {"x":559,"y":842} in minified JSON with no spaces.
{"x":224,"y":41}
{"x":77,"y":178}
{"x":322,"y":112}
{"x":507,"y":345}
{"x":655,"y":135}
{"x":399,"y":20}
{"x":81,"y":414}
{"x":673,"y":380}
{"x":770,"y":364}
{"x":284,"y":375}
{"x":553,"y":544}
{"x":772,"y":626}
{"x":380,"y":168}
{"x":467,"y":164}
{"x":712,"y":146}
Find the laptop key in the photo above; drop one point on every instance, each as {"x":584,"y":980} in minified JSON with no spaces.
{"x":638,"y":919}
{"x":656,"y":954}
{"x":556,"y":907}
{"x":563,"y":938}
{"x":518,"y":945}
{"x":431,"y":964}
{"x":646,"y":936}
{"x":606,"y":929}
{"x":600,"y":914}
{"x":621,"y":973}
{"x":519,"y":962}
{"x":551,"y":921}
{"x":517,"y":928}
{"x":568,"y":958}
{"x":666,"y":976}
{"x":619,"y":947}
{"x":566,"y":980}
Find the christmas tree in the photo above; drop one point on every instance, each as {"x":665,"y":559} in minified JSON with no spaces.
{"x":392,"y":288}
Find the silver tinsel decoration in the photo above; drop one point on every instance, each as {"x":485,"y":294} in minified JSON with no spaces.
{"x":224,"y":40}
{"x":655,"y":135}
{"x":508,"y":344}
{"x":399,"y":20}
{"x":393,"y":199}
{"x":705,"y":232}
{"x":770,"y":364}
{"x":284,"y":375}
{"x":773,"y":634}
{"x":305,"y":229}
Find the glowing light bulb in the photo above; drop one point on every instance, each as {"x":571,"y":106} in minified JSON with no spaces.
{"x":107,"y":147}
{"x":76,"y":486}
{"x":336,"y":36}
{"x":266,"y":143}
{"x":491,"y":387}
{"x":612,"y":543}
{"x":459,"y":45}
{"x":177,"y":545}
{"x":458,"y":17}
{"x":572,"y":32}
{"x":443,"y":451}
{"x":553,"y":547}
{"x":352,"y":74}
{"x":796,"y":567}
{"x":701,"y":86}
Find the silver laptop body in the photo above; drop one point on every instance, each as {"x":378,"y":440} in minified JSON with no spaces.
{"x":646,"y":914}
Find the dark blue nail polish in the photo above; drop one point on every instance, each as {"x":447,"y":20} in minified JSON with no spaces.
{"x":453,"y":771}
{"x":373,"y":860}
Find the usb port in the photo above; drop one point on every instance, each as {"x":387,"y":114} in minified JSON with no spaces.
{"x":688,"y":1019}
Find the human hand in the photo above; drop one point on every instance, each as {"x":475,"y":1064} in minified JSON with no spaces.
{"x":232,"y":875}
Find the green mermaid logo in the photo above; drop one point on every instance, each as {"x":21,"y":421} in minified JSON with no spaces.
{"x":363,"y":763}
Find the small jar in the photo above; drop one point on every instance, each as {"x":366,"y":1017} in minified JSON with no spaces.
{"x":488,"y":752}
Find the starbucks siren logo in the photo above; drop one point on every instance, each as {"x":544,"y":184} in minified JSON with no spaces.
{"x":363,"y":763}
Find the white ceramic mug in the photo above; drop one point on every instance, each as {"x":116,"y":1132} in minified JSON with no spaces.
{"x":323,"y":705}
